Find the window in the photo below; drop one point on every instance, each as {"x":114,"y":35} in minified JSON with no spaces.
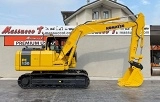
{"x":95,"y":15}
{"x":105,"y":14}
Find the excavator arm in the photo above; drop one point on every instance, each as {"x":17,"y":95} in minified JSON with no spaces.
{"x":105,"y":25}
{"x":52,"y":68}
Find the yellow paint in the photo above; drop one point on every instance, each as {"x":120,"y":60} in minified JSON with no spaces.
{"x":132,"y":77}
{"x":17,"y":60}
{"x":35,"y":58}
{"x":47,"y":60}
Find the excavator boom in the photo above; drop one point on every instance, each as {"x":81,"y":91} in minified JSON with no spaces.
{"x":104,"y":25}
{"x":52,"y":67}
{"x":133,"y":75}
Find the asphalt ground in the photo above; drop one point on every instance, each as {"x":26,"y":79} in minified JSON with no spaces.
{"x":98,"y":91}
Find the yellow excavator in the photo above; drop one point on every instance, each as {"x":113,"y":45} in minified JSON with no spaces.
{"x":53,"y":64}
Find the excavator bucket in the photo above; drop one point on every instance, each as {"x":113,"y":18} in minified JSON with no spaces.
{"x":132,"y":78}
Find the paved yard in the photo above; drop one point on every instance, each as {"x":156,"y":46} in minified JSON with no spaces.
{"x":98,"y":91}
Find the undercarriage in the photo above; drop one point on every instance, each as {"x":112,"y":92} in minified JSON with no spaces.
{"x":61,"y":79}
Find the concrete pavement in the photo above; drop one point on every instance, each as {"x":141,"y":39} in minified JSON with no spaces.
{"x":98,"y":91}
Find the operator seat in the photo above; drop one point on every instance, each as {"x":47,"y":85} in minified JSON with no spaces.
{"x":49,"y":41}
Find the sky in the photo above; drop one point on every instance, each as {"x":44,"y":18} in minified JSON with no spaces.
{"x":48,"y":12}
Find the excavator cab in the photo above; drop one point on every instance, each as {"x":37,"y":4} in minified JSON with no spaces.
{"x":55,"y":43}
{"x":50,"y":42}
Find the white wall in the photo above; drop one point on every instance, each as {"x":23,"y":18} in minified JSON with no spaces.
{"x":86,"y":15}
{"x":115,"y":12}
{"x":72,"y":21}
{"x":103,"y":56}
{"x":120,"y":13}
{"x":124,"y":14}
{"x":7,"y":54}
{"x":107,"y":56}
{"x":82,"y":17}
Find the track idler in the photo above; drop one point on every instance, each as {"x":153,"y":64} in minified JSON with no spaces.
{"x":133,"y":77}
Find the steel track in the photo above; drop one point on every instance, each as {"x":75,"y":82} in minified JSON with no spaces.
{"x":48,"y":79}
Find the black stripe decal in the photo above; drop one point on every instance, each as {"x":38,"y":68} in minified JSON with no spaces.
{"x":26,"y":58}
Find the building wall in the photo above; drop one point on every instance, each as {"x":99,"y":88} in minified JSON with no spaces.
{"x":116,"y":12}
{"x":7,"y":54}
{"x":81,"y":17}
{"x":120,"y":13}
{"x":101,"y":56}
{"x":124,"y":14}
{"x":107,"y":56}
{"x":72,"y":21}
{"x":86,"y":15}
